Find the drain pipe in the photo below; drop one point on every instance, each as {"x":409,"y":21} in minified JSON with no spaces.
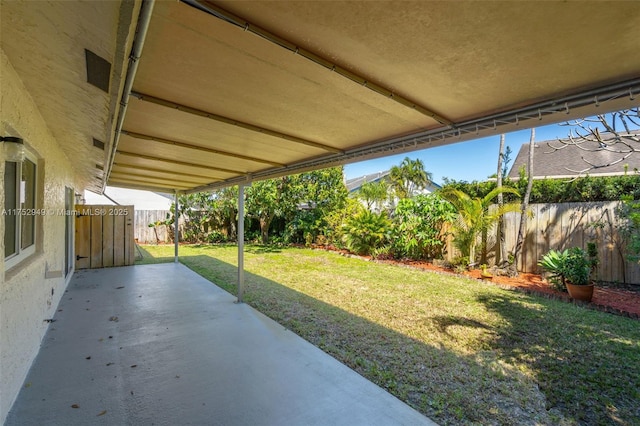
{"x":136,"y":51}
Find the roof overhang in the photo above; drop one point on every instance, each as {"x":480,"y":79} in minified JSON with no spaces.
{"x":228,"y":92}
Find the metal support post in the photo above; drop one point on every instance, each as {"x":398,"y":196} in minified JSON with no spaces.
{"x":240,"y":242}
{"x":175,"y":228}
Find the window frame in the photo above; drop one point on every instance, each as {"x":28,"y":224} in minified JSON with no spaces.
{"x":23,"y":253}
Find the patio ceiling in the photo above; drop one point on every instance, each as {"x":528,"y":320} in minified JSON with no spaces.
{"x":230,"y":92}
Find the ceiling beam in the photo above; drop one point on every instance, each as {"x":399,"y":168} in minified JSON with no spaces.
{"x":152,"y":179}
{"x":209,"y":7}
{"x":115,"y":182}
{"x":172,"y":179}
{"x":180,"y":163}
{"x":162,"y":189}
{"x":232,"y":122}
{"x":169,"y":172}
{"x":200,"y":148}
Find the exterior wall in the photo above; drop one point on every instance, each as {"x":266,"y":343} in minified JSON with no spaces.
{"x":30,"y":291}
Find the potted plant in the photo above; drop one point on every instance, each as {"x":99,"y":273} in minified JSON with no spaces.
{"x":570,"y":270}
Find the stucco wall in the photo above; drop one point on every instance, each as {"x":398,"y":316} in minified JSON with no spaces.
{"x":27,"y":297}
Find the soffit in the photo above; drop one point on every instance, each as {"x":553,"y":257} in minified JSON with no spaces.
{"x":45,"y":42}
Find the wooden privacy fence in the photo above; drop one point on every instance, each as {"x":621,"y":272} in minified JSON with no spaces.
{"x":146,"y":235}
{"x":104,"y":236}
{"x":564,"y":225}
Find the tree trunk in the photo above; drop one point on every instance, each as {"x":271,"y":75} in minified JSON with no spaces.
{"x":525,"y":205}
{"x":265,"y":222}
{"x":501,"y":252}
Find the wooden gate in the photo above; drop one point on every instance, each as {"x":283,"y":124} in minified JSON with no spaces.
{"x":104,"y":236}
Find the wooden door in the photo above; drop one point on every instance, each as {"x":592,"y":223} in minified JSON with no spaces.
{"x":104,"y":236}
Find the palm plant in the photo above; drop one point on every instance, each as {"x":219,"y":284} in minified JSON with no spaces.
{"x":474,"y":216}
{"x":374,"y":193}
{"x":366,"y":231}
{"x":409,"y":177}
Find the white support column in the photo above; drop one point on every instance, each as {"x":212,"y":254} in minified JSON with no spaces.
{"x":175,"y":228}
{"x":240,"y":242}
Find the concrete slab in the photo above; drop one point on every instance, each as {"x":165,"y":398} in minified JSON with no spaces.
{"x":160,"y":345}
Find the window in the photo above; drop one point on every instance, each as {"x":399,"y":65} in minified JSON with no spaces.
{"x":19,"y":210}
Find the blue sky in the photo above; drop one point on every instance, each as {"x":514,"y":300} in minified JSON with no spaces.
{"x":472,"y":160}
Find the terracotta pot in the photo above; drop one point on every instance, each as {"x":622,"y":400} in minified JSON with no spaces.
{"x":580,"y":292}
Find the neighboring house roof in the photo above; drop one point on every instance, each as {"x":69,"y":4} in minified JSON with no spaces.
{"x":571,"y":161}
{"x":355,"y":183}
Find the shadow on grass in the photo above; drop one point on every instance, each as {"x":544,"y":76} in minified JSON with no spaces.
{"x":588,"y":367}
{"x":148,"y":258}
{"x":444,"y":322}
{"x":444,"y":385}
{"x":585,"y":363}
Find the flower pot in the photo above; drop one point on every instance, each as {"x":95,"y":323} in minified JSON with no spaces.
{"x":580,"y":292}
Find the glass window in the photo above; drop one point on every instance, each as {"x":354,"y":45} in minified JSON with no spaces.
{"x":28,"y":204}
{"x":19,"y":210}
{"x":10,"y":219}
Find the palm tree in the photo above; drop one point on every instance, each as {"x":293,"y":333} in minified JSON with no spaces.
{"x":409,"y":177}
{"x":474,"y":216}
{"x":374,"y":193}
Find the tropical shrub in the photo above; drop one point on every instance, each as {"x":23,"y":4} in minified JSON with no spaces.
{"x":418,"y":226}
{"x":571,"y":265}
{"x":336,"y":222}
{"x":366,"y":231}
{"x":629,"y":216}
{"x":474,"y":217}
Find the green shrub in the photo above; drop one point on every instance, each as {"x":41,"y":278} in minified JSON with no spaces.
{"x":366,"y":231}
{"x":582,"y":189}
{"x":629,"y":214}
{"x":554,"y":263}
{"x":418,"y":222}
{"x":571,"y":266}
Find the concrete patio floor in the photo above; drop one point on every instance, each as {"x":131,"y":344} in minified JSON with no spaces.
{"x":160,"y":345}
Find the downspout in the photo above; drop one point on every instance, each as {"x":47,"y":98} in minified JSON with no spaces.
{"x":136,"y":51}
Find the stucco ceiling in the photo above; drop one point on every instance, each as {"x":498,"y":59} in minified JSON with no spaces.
{"x":229,"y":92}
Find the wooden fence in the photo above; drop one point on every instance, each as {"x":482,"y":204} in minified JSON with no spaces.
{"x":563,"y":225}
{"x":146,"y":235}
{"x":552,"y":226}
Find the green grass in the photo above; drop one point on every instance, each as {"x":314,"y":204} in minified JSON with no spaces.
{"x":458,"y":350}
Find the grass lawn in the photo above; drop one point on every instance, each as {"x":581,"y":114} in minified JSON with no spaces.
{"x":458,"y":350}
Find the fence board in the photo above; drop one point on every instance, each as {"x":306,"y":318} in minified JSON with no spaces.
{"x":564,"y":225}
{"x":143,"y":233}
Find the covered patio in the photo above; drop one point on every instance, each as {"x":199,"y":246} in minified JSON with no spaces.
{"x":159,"y":344}
{"x":198,"y":95}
